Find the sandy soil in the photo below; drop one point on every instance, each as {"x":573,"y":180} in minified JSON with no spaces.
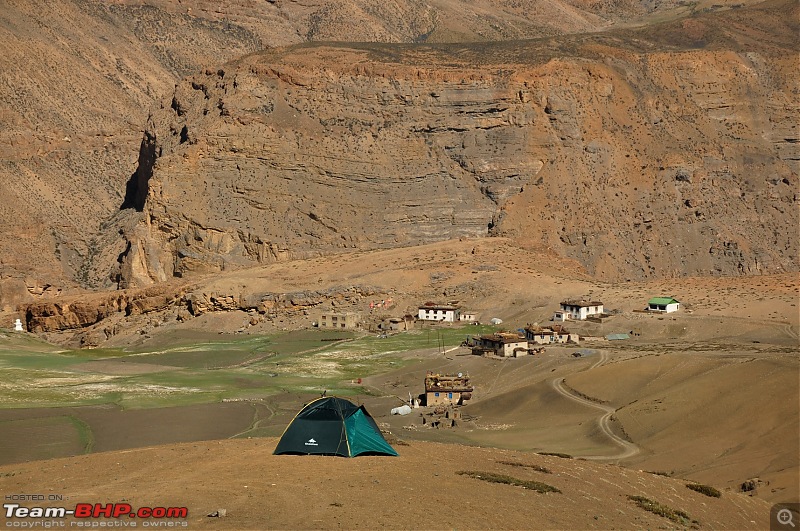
{"x":420,"y":489}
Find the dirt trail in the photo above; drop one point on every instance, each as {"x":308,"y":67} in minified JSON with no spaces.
{"x":629,"y":449}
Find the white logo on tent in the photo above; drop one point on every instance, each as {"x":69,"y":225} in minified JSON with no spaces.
{"x":311,"y":442}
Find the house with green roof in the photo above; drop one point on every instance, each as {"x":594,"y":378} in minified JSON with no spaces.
{"x":663,"y":304}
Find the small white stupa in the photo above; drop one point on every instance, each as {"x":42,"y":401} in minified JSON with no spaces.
{"x":18,"y":326}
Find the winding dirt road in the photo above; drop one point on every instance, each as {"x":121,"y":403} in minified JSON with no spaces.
{"x":628,"y":449}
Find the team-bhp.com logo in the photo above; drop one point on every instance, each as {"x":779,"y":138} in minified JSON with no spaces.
{"x":95,"y":511}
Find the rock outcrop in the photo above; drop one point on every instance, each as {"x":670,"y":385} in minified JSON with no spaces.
{"x":91,"y":320}
{"x":78,"y":78}
{"x":84,"y":311}
{"x":665,"y":152}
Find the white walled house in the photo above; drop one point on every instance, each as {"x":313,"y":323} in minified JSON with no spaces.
{"x":467,"y":317}
{"x":663,"y":304}
{"x":439,"y":313}
{"x":578,"y":310}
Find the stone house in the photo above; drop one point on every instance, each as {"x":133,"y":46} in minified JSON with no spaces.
{"x":551,"y":334}
{"x":447,"y":389}
{"x":504,"y":344}
{"x":397,"y":324}
{"x":347,"y":320}
{"x":467,"y":317}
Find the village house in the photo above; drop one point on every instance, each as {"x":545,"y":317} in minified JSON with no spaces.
{"x":547,"y":335}
{"x":447,"y":389}
{"x":578,"y":310}
{"x":438,"y":312}
{"x":504,"y":344}
{"x":663,"y":304}
{"x":467,"y":317}
{"x":348,"y":321}
{"x":397,"y":324}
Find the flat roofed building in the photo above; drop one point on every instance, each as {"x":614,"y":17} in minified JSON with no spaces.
{"x":467,"y":317}
{"x":438,"y":312}
{"x":504,"y":344}
{"x":552,"y":334}
{"x":346,"y":320}
{"x":447,"y":389}
{"x":397,"y":323}
{"x":578,"y":310}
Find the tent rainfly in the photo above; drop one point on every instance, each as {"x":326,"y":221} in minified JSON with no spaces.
{"x":333,"y":426}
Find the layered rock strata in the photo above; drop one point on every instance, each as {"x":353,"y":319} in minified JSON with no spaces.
{"x":639,"y":154}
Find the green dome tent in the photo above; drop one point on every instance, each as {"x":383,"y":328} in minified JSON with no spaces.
{"x":333,"y":426}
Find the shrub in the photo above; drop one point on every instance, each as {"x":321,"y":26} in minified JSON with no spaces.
{"x":491,"y":477}
{"x":556,"y":454}
{"x":534,"y":467}
{"x":676,"y":515}
{"x":704,"y":489}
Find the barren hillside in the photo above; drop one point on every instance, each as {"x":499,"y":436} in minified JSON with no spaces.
{"x":663,"y":152}
{"x":422,"y":488}
{"x":79,"y":78}
{"x":76,"y":82}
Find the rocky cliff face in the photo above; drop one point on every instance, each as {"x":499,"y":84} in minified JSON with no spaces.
{"x":76,"y":81}
{"x":77,"y":78}
{"x":661,"y":153}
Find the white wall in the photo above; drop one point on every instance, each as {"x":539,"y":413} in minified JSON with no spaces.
{"x":448,"y":316}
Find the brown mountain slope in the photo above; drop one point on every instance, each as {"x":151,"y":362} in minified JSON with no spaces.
{"x":420,"y":489}
{"x":78,"y":76}
{"x":285,"y":22}
{"x":652,"y":153}
{"x":76,"y":79}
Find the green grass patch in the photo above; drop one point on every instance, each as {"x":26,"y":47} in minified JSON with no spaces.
{"x":35,"y":374}
{"x":709,"y":491}
{"x":491,"y":477}
{"x":202,"y":357}
{"x":676,"y":515}
{"x":40,"y":360}
{"x":22,"y":342}
{"x":525,"y":465}
{"x":420,"y":338}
